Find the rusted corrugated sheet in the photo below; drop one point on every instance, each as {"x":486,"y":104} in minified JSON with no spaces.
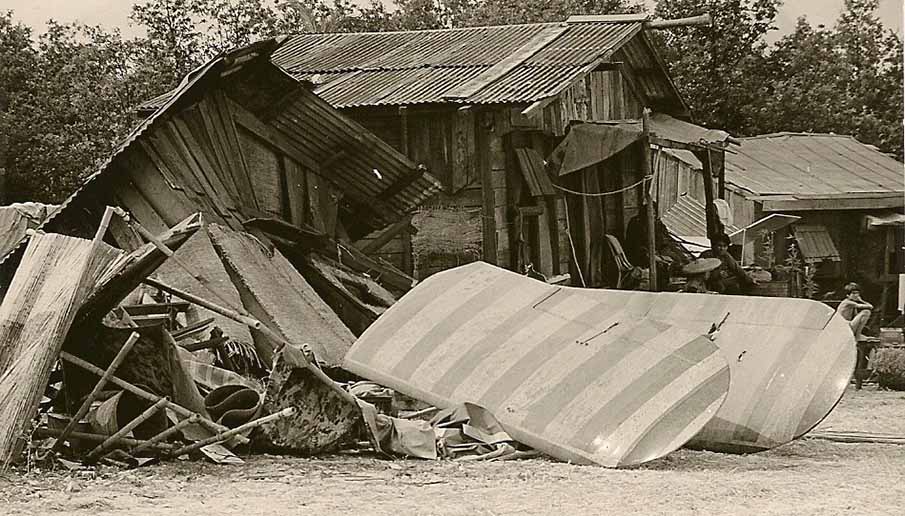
{"x":815,"y":243}
{"x":488,"y":336}
{"x":527,"y":84}
{"x":576,"y":376}
{"x":443,"y":54}
{"x":686,"y":218}
{"x":439,"y":59}
{"x":796,"y":163}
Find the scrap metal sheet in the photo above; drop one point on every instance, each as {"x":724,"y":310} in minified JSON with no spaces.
{"x":578,"y":375}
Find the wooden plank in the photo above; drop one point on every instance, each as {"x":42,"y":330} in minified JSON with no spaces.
{"x":159,"y":141}
{"x":267,"y":133}
{"x":222,"y":108}
{"x":219,"y":166}
{"x":55,"y":276}
{"x":384,"y":237}
{"x":296,"y":191}
{"x":128,"y":196}
{"x":488,"y":198}
{"x":870,"y":203}
{"x":203,"y":168}
{"x":170,"y":205}
{"x":535,"y":44}
{"x":161,"y":165}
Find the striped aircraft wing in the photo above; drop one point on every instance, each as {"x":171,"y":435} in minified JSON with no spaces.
{"x":583,"y":378}
{"x":791,"y":360}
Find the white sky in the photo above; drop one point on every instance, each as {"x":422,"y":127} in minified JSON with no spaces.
{"x":115,"y":13}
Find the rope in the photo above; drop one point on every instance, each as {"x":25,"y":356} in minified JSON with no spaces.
{"x":572,"y":243}
{"x":603,"y":194}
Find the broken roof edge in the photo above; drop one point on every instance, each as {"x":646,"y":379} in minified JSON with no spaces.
{"x":188,"y":83}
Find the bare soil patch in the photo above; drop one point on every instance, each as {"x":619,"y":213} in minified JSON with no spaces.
{"x":809,"y":476}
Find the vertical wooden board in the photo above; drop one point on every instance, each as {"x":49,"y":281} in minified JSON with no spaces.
{"x":544,"y":240}
{"x":488,"y":199}
{"x":264,"y":169}
{"x":161,"y":165}
{"x":193,"y":148}
{"x":315,"y":213}
{"x":221,"y":106}
{"x":171,"y":205}
{"x":159,"y":141}
{"x":215,"y":165}
{"x":297,"y":191}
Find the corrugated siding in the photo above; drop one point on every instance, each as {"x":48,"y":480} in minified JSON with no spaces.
{"x":815,"y":243}
{"x":790,"y":163}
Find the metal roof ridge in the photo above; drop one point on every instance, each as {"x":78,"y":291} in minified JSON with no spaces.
{"x":421,"y":31}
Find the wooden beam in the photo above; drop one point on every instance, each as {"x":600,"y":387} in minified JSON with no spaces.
{"x":832,"y":203}
{"x":704,"y":20}
{"x":646,"y":170}
{"x":385,"y":236}
{"x":403,"y":183}
{"x":254,"y":125}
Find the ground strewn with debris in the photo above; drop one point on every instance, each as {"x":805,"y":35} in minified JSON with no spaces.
{"x":809,"y":476}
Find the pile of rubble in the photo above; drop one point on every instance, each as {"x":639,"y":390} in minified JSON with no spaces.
{"x":123,"y":368}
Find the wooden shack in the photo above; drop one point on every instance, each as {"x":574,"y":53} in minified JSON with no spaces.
{"x":285,"y":183}
{"x":482,"y":108}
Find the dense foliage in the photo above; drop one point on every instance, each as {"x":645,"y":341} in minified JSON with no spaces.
{"x":66,"y":95}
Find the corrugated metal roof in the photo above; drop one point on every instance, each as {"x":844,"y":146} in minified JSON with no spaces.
{"x":379,"y":55}
{"x":367,"y":153}
{"x":797,"y":163}
{"x":686,"y":218}
{"x":815,"y":243}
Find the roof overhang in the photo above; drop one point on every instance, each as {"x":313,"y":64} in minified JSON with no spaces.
{"x":831,"y":202}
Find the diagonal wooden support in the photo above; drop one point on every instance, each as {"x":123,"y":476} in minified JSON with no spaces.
{"x":122,"y":432}
{"x":86,"y":405}
{"x":141,"y":393}
{"x":150,"y":443}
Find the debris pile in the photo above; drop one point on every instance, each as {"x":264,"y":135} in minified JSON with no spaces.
{"x":135,"y":369}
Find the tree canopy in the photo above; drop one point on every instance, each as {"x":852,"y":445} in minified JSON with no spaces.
{"x":66,"y":95}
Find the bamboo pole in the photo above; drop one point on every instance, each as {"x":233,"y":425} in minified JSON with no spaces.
{"x":288,"y":411}
{"x":86,"y":405}
{"x":166,"y":433}
{"x":85,"y":436}
{"x":122,"y":432}
{"x":651,"y":210}
{"x":141,"y":393}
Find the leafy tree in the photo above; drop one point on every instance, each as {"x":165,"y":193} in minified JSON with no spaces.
{"x":719,"y":68}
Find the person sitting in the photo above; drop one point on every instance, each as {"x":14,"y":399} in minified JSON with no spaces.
{"x":669,"y":256}
{"x":697,"y":272}
{"x":729,"y":277}
{"x":855,"y":310}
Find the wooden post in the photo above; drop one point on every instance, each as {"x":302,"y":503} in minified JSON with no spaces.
{"x":651,"y":210}
{"x":709,"y":208}
{"x":404,"y":131}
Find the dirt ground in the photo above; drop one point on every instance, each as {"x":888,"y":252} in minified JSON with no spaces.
{"x":809,"y":476}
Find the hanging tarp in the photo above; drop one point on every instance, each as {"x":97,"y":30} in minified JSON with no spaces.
{"x":589,"y":144}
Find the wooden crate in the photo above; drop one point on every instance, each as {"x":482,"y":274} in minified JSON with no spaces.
{"x":776,"y":288}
